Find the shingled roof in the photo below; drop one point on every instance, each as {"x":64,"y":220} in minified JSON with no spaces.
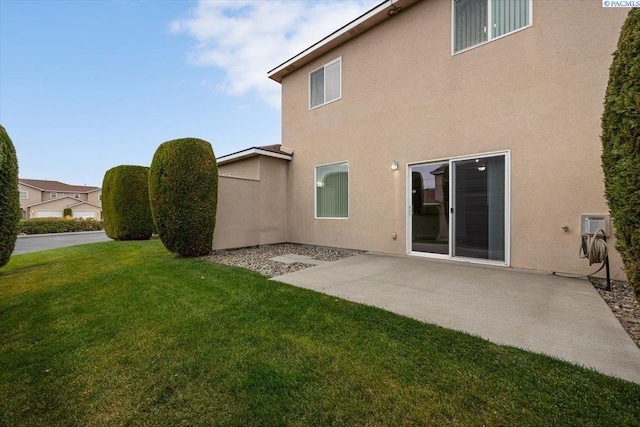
{"x":56,"y":186}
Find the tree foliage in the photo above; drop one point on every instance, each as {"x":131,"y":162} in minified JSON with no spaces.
{"x":9,"y":197}
{"x":183,"y":189}
{"x":125,"y":203}
{"x":621,"y":146}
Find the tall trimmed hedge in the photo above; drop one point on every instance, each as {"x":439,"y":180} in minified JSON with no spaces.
{"x":9,"y":197}
{"x":183,"y":189}
{"x":621,"y":146}
{"x":125,"y":203}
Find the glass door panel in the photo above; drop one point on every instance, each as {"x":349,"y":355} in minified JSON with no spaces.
{"x":479,"y":208}
{"x":430,"y":208}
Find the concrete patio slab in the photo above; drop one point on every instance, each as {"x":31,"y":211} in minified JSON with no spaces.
{"x":560,"y":317}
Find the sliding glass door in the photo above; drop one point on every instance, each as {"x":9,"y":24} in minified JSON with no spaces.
{"x":430,"y":208}
{"x":458,"y":208}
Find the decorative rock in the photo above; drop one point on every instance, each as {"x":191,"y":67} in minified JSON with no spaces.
{"x":257,"y":258}
{"x":623,"y":304}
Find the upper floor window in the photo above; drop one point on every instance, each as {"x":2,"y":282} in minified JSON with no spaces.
{"x":76,"y":196}
{"x":53,"y":195}
{"x":480,"y":21}
{"x":325,"y":84}
{"x":332,"y":191}
{"x":24,"y":194}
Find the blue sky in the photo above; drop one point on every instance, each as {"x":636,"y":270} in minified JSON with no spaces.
{"x":86,"y":85}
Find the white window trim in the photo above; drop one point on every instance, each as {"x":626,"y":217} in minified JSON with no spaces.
{"x":507,"y":210}
{"x":76,"y":195}
{"x":339,"y":59}
{"x":489,"y":39}
{"x":26,"y":195}
{"x":315,"y":191}
{"x":53,"y":195}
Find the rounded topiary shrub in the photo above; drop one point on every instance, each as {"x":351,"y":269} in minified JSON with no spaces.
{"x":621,"y":146}
{"x":9,"y":197}
{"x":183,"y":190}
{"x":125,"y":203}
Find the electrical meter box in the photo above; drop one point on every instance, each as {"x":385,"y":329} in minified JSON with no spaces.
{"x":592,"y":223}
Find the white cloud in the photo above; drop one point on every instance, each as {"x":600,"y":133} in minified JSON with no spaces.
{"x":248,"y":38}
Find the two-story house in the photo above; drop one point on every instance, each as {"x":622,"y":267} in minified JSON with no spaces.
{"x":490,"y":107}
{"x":43,"y":198}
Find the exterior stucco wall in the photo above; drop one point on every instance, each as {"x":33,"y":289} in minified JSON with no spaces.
{"x":33,"y":196}
{"x":244,"y":168}
{"x":537,"y":93}
{"x":273,"y":200}
{"x":238,"y":213}
{"x":252,"y":211}
{"x":94,"y":197}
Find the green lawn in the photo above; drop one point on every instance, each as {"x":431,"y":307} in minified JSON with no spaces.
{"x":124,"y":333}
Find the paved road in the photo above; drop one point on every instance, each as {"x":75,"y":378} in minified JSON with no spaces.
{"x":41,"y":242}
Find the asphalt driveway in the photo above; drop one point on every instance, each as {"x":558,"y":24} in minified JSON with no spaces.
{"x":41,"y":242}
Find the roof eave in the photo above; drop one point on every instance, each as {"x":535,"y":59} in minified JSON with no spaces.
{"x":250,"y":152}
{"x":364,"y":22}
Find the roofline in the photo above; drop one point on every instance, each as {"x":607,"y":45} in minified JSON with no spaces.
{"x":29,"y":185}
{"x":362,"y":23}
{"x":82,"y":202}
{"x":59,"y":190}
{"x":249,"y":152}
{"x":55,"y":199}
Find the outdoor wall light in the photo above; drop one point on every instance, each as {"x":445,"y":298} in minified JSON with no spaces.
{"x":394,"y":165}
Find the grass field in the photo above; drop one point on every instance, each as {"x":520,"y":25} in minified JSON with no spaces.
{"x":124,"y":333}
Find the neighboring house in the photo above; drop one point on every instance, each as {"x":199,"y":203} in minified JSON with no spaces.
{"x":43,"y":198}
{"x":496,"y":104}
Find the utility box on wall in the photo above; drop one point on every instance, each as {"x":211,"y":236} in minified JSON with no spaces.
{"x":590,"y":223}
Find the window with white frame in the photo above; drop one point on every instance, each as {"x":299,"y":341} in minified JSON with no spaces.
{"x":479,"y":21}
{"x":76,"y":196}
{"x":24,"y":195}
{"x":53,"y":195}
{"x":332,"y":191}
{"x":325,"y":84}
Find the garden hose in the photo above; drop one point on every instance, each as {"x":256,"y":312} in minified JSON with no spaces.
{"x":595,"y":249}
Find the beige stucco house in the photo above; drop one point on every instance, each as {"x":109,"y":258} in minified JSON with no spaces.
{"x":43,"y":198}
{"x":490,"y":108}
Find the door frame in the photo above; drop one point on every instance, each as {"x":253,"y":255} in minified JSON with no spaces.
{"x":507,"y":208}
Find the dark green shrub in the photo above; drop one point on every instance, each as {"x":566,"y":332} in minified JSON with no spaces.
{"x":57,"y":225}
{"x":125,"y":203}
{"x":67,"y":213}
{"x":10,"y":211}
{"x":183,"y":189}
{"x":621,"y":146}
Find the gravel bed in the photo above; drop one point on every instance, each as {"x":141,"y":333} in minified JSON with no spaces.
{"x":623,"y":304}
{"x":257,"y":258}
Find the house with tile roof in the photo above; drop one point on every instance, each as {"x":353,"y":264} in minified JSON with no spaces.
{"x":43,"y":198}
